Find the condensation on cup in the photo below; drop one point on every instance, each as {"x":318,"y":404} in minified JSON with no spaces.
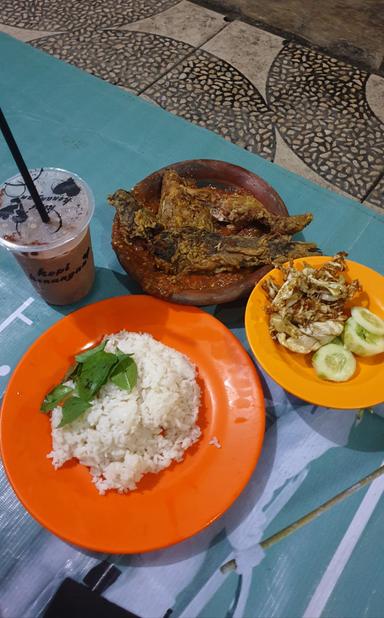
{"x":57,"y":256}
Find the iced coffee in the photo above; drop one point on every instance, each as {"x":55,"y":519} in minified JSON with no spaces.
{"x":56,"y":256}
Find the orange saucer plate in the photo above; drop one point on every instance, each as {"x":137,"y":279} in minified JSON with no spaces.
{"x":167,"y":507}
{"x":294,"y":372}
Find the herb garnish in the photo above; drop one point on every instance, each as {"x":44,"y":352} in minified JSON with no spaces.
{"x":57,"y":394}
{"x":93,"y":369}
{"x":72,"y":409}
{"x":94,"y":373}
{"x":124,"y":374}
{"x":81,"y":358}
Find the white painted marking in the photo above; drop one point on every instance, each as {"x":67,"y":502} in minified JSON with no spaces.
{"x":4,"y":370}
{"x":18,"y":314}
{"x":204,"y":595}
{"x":344,"y":551}
{"x":290,"y":446}
{"x":244,"y":593}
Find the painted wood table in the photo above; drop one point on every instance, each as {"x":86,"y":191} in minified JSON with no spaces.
{"x":332,"y":565}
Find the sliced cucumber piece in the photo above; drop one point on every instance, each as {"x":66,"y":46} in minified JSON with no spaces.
{"x":360,"y":341}
{"x":333,"y":362}
{"x":368,"y":320}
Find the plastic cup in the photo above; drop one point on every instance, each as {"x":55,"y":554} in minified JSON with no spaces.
{"x":56,"y":256}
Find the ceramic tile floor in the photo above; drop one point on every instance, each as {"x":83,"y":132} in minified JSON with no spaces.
{"x":303,"y":109}
{"x":348,"y":29}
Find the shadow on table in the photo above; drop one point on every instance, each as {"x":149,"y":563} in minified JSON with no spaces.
{"x":365,"y":435}
{"x":198,"y":545}
{"x":108,"y":283}
{"x":214,"y":534}
{"x":231,"y":314}
{"x":229,"y":522}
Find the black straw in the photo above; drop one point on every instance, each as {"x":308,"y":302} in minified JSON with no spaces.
{"x":13,"y":147}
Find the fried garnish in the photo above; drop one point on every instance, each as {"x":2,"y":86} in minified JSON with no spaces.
{"x":308,"y":309}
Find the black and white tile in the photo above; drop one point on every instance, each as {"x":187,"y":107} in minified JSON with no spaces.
{"x":68,"y":15}
{"x":315,"y":115}
{"x":184,"y":22}
{"x":376,"y":196}
{"x":320,"y":109}
{"x":130,"y":59}
{"x":210,"y":92}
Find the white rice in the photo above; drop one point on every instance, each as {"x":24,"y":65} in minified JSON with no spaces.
{"x":214,"y":442}
{"x":122,"y":436}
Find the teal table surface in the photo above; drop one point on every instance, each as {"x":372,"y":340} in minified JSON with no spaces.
{"x":332,"y":567}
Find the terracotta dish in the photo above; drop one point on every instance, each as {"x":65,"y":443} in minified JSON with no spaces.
{"x":215,"y":288}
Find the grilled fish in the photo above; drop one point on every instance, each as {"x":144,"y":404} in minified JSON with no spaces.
{"x":181,"y":206}
{"x":195,"y":250}
{"x":184,"y":204}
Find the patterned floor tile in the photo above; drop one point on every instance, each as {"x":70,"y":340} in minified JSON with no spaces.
{"x":185,"y":22}
{"x":376,"y":197}
{"x":72,"y":15}
{"x":349,"y":29}
{"x":250,"y":50}
{"x":23,"y":34}
{"x":374,"y":91}
{"x":211,"y":93}
{"x":315,"y":115}
{"x":265,"y":59}
{"x":285,"y":157}
{"x":320,"y":109}
{"x":130,"y":59}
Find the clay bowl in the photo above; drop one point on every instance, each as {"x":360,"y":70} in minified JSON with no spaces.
{"x":224,"y":176}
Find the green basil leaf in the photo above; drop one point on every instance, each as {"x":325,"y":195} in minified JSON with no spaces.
{"x":72,"y":409}
{"x":53,"y":398}
{"x":94,"y":373}
{"x":81,"y":358}
{"x":124,"y":361}
{"x":124,"y":375}
{"x":72,"y":372}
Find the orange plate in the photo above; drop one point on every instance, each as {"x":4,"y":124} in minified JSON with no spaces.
{"x":294,"y":372}
{"x":168,"y":507}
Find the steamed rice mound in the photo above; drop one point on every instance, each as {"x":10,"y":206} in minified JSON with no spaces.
{"x":122,"y":436}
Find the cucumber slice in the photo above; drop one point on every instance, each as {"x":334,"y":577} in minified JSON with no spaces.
{"x":368,"y":320}
{"x":360,"y":341}
{"x":333,"y":362}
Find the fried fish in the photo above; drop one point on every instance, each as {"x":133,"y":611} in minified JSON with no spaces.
{"x":196,"y":251}
{"x":183,"y":204}
{"x":180,"y":206}
{"x":192,"y":249}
